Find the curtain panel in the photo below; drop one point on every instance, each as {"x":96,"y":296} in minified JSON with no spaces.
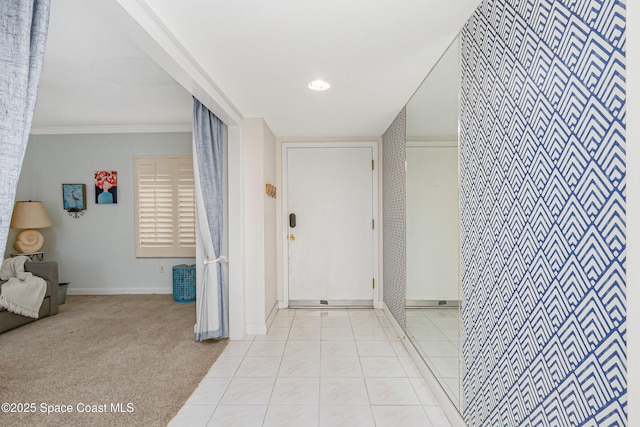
{"x":211,"y":306}
{"x":23,"y":33}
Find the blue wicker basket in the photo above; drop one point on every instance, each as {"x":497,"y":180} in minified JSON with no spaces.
{"x":184,"y":283}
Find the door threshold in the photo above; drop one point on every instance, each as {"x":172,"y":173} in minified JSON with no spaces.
{"x":331,"y":303}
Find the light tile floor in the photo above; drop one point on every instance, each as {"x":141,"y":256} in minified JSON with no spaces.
{"x":335,"y":367}
{"x":435,"y":331}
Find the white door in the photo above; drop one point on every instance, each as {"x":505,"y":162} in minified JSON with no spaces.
{"x":330,"y":246}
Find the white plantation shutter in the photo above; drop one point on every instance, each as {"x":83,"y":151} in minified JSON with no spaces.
{"x":165,"y":207}
{"x":186,"y":208}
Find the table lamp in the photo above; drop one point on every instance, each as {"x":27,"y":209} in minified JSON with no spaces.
{"x":29,"y":216}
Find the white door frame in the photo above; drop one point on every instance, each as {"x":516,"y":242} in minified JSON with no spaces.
{"x":285,"y":216}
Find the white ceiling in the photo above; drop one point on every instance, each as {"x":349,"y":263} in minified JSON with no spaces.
{"x":95,"y":79}
{"x":259,"y":55}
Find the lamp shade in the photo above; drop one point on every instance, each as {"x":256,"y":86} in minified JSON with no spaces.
{"x":30,"y":215}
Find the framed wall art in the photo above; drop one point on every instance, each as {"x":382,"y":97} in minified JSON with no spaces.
{"x":74,"y":198}
{"x":106,"y":184}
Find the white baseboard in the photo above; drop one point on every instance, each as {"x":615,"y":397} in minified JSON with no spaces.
{"x":119,"y":291}
{"x":447,"y":406}
{"x":256,"y":328}
{"x":394,"y":322}
{"x":262,"y":328}
{"x":272,"y":314}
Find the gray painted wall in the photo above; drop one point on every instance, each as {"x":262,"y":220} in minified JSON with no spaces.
{"x":96,"y":252}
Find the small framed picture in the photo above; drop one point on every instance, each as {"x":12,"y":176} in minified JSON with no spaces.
{"x":106,"y":187}
{"x":74,"y":196}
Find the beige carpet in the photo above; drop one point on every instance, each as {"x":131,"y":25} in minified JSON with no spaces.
{"x":136,"y":352}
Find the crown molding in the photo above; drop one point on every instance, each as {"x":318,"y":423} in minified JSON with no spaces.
{"x":96,"y":129}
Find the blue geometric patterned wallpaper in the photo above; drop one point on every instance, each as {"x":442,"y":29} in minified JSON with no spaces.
{"x":542,"y":137}
{"x":394,"y":215}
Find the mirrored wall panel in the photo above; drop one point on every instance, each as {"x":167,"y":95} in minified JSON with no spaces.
{"x":432,"y":222}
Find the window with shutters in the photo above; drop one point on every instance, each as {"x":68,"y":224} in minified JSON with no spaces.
{"x":165,"y":207}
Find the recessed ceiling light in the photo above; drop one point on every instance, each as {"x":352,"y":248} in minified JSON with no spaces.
{"x":319,"y":85}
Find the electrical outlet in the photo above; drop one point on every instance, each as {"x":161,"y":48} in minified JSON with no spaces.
{"x":161,"y":268}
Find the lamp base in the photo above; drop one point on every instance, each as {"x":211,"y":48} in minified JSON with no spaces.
{"x":29,"y":241}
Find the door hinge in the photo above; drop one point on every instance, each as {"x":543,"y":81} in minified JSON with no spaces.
{"x":373,"y":224}
{"x":373,"y":283}
{"x":372,"y":164}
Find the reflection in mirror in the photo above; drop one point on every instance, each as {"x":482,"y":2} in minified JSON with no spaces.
{"x":432,"y":222}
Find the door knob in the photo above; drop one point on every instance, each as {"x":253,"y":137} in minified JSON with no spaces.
{"x":292,"y":236}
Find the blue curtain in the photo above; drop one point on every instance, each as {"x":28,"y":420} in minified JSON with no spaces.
{"x":23,"y":35}
{"x":211,"y":307}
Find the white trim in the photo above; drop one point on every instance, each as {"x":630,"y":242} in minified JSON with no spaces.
{"x":379,"y":301}
{"x":263,"y":328}
{"x":447,"y":406}
{"x":351,"y":143}
{"x":453,"y":138}
{"x":143,"y":26}
{"x":394,"y":323}
{"x":432,"y":144}
{"x":119,"y":291}
{"x":256,"y":328}
{"x":236,"y":282}
{"x":99,"y":129}
{"x":338,"y":141}
{"x":272,"y":314}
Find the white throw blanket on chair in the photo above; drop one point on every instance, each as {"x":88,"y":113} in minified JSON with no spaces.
{"x":23,"y":293}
